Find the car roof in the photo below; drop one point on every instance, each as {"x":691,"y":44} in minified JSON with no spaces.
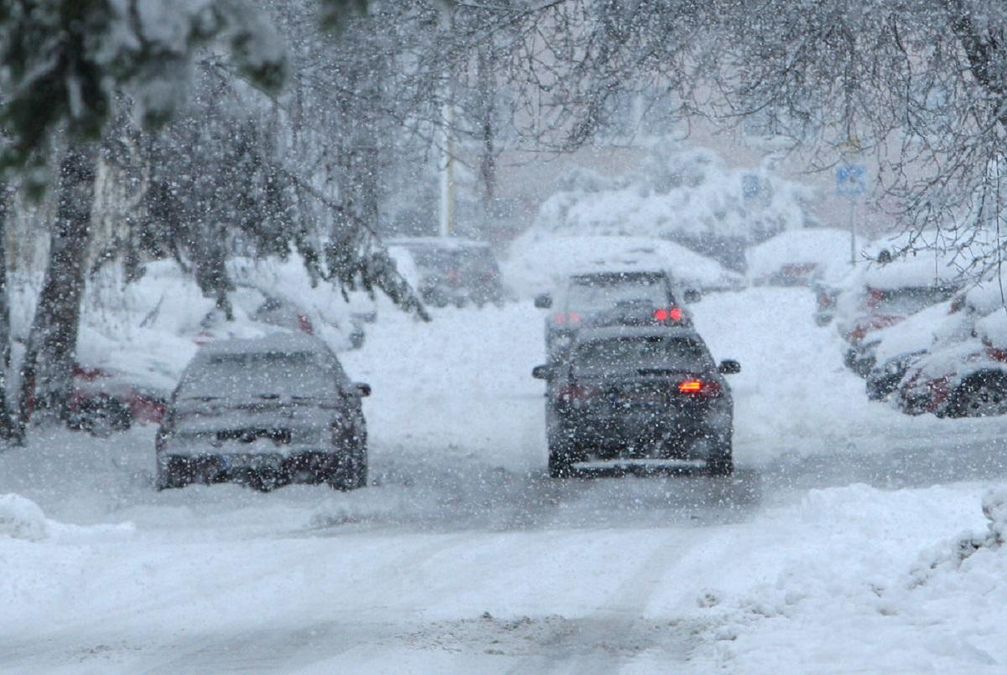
{"x":278,"y":342}
{"x":620,"y":275}
{"x":448,"y":243}
{"x":623,"y":332}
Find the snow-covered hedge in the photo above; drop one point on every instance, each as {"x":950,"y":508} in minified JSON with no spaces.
{"x":678,"y":193}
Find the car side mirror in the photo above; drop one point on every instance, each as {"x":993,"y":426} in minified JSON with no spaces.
{"x":543,"y":301}
{"x":729,"y":367}
{"x":362,"y":388}
{"x":541,"y":372}
{"x":692,"y":296}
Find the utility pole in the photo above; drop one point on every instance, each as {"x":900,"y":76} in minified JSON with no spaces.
{"x":447,"y":201}
{"x":447,"y":210}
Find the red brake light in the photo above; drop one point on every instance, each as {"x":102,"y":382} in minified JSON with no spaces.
{"x":571,"y":319}
{"x":699,"y":388}
{"x":664,"y":315}
{"x":304,"y":324}
{"x":575,"y":393}
{"x":997,"y":354}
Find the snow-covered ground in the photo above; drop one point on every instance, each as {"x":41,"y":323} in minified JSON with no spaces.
{"x":835,"y":549}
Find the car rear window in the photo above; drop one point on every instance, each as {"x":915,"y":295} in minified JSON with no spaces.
{"x":635,"y":353}
{"x":259,"y":375}
{"x":587,"y":295}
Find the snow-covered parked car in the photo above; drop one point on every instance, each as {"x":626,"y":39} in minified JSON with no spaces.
{"x":965,"y":373}
{"x":266,"y":411}
{"x":537,"y":262}
{"x":892,"y":351}
{"x":105,"y":400}
{"x":799,"y":257}
{"x":882,"y":294}
{"x":449,"y":270}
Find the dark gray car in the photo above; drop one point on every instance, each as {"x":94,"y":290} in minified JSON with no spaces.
{"x":638,"y":393}
{"x":265,"y":412}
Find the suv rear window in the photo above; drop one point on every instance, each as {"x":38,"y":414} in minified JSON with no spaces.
{"x":258,"y":375}
{"x":587,"y":294}
{"x":648,"y":352}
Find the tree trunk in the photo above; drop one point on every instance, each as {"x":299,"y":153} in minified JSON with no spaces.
{"x":5,"y":419}
{"x":487,"y":162}
{"x":47,"y":371}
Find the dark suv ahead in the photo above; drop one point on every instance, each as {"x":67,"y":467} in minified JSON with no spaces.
{"x":638,"y":393}
{"x":597,"y":299}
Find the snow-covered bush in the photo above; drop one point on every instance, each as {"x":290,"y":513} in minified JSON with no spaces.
{"x":22,"y":518}
{"x":684,"y":194}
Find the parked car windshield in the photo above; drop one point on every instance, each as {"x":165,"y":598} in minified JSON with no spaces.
{"x":600,"y":357}
{"x":257,"y":375}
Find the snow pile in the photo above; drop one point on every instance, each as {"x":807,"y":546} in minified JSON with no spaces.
{"x":539,"y":261}
{"x":833,"y":584}
{"x":22,"y":518}
{"x":995,"y":509}
{"x":678,"y":192}
{"x":147,"y":330}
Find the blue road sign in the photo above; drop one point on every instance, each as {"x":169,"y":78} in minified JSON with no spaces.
{"x":851,"y":180}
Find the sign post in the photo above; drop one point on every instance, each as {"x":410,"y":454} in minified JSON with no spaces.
{"x":851,"y":182}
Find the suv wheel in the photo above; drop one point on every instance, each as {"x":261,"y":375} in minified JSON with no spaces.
{"x":981,"y":395}
{"x":561,"y":459}
{"x":350,"y":473}
{"x":721,"y":459}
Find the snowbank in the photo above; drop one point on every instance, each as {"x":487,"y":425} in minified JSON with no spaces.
{"x":836,"y":584}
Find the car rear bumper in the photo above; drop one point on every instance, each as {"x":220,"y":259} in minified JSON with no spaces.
{"x":645,"y":437}
{"x":310,"y":466}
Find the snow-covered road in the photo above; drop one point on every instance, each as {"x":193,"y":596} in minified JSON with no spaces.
{"x":828,"y":551}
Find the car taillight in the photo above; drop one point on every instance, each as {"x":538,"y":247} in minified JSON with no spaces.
{"x":571,"y":319}
{"x":672,"y":315}
{"x":304,"y":323}
{"x":575,"y":393}
{"x":699,"y":388}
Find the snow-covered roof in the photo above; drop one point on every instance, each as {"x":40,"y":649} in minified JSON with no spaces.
{"x":436,"y":242}
{"x":620,"y":332}
{"x":280,"y":342}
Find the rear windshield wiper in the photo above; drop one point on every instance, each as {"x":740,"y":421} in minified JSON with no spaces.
{"x":657,"y":371}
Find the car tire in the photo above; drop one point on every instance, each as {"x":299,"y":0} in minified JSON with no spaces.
{"x":721,"y":460}
{"x":350,"y":473}
{"x":560,"y":464}
{"x":981,"y":395}
{"x":168,"y":478}
{"x":265,"y":480}
{"x":101,"y":417}
{"x":562,"y":455}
